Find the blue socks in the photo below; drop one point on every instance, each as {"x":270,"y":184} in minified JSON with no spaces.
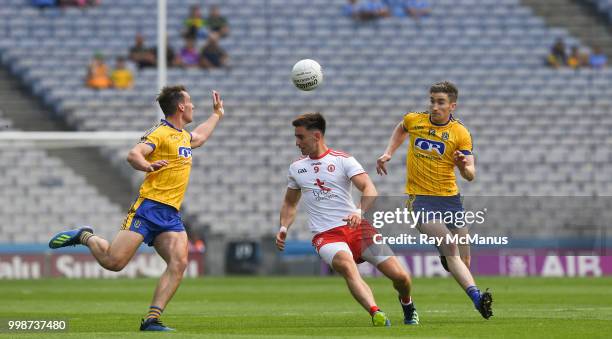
{"x":474,"y":293}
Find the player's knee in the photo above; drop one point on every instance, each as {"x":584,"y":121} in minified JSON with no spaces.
{"x":403,"y":278}
{"x":395,"y":272}
{"x":115,"y":265}
{"x":343,"y":263}
{"x":178,"y":265}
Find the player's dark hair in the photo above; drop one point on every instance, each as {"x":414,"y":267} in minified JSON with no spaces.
{"x":170,"y":97}
{"x":310,"y":121}
{"x":445,"y":87}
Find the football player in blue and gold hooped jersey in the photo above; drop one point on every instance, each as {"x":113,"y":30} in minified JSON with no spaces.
{"x":164,"y":154}
{"x":438,"y":144}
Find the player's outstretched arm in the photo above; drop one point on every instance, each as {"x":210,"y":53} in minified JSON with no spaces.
{"x":368,"y":196}
{"x":465,"y":164}
{"x":287,"y":215}
{"x":397,"y":138}
{"x":201,"y":133}
{"x":136,"y":158}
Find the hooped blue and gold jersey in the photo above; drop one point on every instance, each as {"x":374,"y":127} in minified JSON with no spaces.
{"x":429,"y":163}
{"x":168,"y":184}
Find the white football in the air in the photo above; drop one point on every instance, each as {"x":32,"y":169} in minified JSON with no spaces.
{"x":307,"y":75}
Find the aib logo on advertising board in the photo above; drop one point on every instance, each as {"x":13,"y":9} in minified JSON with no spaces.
{"x":429,"y":146}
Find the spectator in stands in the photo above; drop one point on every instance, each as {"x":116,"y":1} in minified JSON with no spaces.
{"x":97,"y":73}
{"x":417,"y":9}
{"x":396,"y":7}
{"x":369,"y":10}
{"x":374,"y":9}
{"x":195,"y":237}
{"x":212,"y":54}
{"x":351,"y":9}
{"x":576,"y":59}
{"x":194,"y":25}
{"x":44,"y":3}
{"x":196,"y":244}
{"x":597,"y":59}
{"x":140,"y":54}
{"x":172,"y":59}
{"x":216,"y":22}
{"x":189,"y":54}
{"x":79,"y":3}
{"x":558,"y":55}
{"x":196,"y":240}
{"x":122,"y":77}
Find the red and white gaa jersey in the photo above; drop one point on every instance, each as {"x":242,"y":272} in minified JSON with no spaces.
{"x":325,"y":183}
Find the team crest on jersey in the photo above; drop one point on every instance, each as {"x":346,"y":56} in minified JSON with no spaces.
{"x":445,"y":136}
{"x":136,"y":223}
{"x":184,"y":152}
{"x":429,"y":146}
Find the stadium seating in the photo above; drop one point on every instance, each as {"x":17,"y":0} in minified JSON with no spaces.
{"x":537,"y":131}
{"x":5,"y":124}
{"x":604,"y":7}
{"x":40,"y":194}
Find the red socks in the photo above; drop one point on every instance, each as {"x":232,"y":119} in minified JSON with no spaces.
{"x":406,"y":300}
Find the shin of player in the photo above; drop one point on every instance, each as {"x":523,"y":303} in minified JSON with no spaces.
{"x":341,"y":236}
{"x":438,"y":144}
{"x":164,"y":154}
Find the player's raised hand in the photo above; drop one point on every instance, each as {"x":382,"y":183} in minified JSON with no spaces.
{"x":381,"y":168}
{"x":217,"y":104}
{"x":157,"y":165}
{"x":353,"y":219}
{"x":280,"y":239}
{"x":459,"y":159}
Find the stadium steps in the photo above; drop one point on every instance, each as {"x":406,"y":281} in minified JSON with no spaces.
{"x":27,"y":114}
{"x":580,"y":19}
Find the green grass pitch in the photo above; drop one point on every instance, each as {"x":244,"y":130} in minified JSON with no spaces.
{"x":305,"y":307}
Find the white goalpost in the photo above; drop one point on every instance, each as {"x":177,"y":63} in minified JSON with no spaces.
{"x":162,"y":37}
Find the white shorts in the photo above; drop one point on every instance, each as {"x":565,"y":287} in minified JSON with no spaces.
{"x":327,"y":252}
